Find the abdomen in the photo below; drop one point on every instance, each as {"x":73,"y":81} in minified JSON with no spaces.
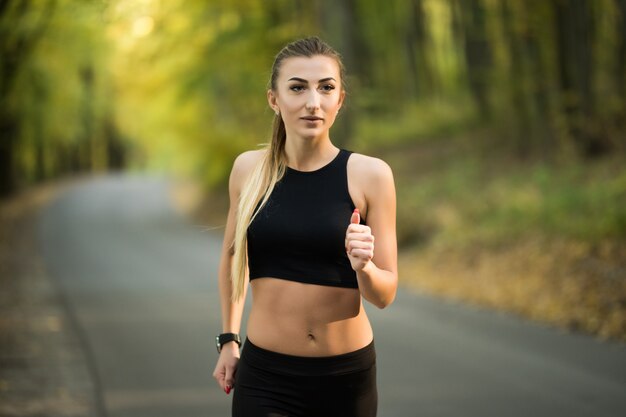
{"x":307,"y":319}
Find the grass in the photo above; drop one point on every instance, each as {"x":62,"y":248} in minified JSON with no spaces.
{"x":465,"y":198}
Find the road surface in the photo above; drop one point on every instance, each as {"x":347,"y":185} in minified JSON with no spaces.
{"x":140,"y":284}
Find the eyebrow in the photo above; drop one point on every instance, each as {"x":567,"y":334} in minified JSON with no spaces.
{"x":305,"y":81}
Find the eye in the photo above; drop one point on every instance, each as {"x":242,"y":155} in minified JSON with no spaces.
{"x":328,"y":88}
{"x":296,"y":88}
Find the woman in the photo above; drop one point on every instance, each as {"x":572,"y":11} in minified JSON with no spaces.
{"x":302,"y":221}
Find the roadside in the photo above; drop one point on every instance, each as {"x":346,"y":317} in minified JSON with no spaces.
{"x":572,"y":285}
{"x":543,"y":240}
{"x":43,"y":367}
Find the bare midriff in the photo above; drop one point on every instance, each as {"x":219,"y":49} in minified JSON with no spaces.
{"x":306,"y":319}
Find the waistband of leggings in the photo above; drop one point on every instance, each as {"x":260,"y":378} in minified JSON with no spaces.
{"x":280,"y":363}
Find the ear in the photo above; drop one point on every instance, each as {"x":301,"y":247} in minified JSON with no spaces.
{"x":342,"y":96}
{"x":272,"y":100}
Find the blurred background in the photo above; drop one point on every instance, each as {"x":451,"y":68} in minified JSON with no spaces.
{"x":504,"y":122}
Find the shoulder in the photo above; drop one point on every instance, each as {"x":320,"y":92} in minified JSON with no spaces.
{"x":371,"y":185}
{"x":372,"y":181}
{"x":369,"y":168}
{"x":246,"y":161}
{"x":244,"y":165}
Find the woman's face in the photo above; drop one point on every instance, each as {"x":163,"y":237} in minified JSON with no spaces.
{"x":308,"y":95}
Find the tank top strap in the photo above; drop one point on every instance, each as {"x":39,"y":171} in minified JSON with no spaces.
{"x":342,"y":158}
{"x":339,"y":164}
{"x":338,"y":172}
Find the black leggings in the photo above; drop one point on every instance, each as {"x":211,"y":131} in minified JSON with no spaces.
{"x":270,"y":384}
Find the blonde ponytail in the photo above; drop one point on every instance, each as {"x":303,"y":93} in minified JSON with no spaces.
{"x":258,"y":187}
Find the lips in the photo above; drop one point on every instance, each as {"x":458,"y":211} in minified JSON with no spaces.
{"x":311,"y":118}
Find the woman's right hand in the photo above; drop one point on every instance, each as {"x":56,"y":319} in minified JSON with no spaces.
{"x":226,"y":367}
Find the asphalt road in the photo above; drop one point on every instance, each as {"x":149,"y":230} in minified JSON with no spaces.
{"x":140,"y":284}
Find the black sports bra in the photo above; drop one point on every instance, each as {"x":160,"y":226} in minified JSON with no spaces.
{"x":299,"y":234}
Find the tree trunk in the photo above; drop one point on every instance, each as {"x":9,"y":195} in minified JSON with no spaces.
{"x":477,"y":53}
{"x":40,"y":160}
{"x":620,"y":67}
{"x":8,"y":132}
{"x":87,"y":119}
{"x":420,"y":73}
{"x":516,"y":88}
{"x":543,"y":114}
{"x":574,"y":25}
{"x":116,"y":155}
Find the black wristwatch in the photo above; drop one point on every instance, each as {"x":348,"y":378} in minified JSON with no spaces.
{"x":224,"y":338}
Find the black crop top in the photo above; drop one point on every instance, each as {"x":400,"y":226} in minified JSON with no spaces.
{"x":299,"y":234}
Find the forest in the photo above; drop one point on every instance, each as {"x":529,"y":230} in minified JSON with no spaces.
{"x":504,"y":122}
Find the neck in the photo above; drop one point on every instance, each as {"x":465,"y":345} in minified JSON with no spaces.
{"x":309,"y":154}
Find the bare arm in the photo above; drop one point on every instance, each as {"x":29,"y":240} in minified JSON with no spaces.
{"x":377,"y":270}
{"x":231,"y":311}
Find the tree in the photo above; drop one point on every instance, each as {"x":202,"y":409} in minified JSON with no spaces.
{"x":20,"y":32}
{"x":477,"y":52}
{"x":574,"y":28}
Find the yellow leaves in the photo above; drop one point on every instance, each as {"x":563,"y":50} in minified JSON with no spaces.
{"x":564,"y":282}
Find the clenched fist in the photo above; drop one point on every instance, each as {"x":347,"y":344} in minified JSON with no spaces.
{"x":359,"y":242}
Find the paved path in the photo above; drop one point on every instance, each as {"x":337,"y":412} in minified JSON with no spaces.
{"x":140,"y":283}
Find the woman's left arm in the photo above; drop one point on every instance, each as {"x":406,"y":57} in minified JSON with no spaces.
{"x":377,"y":270}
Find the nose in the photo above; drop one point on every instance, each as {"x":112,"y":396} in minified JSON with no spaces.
{"x":313,"y":100}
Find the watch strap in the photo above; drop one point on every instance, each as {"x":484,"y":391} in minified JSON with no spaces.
{"x":224,"y":338}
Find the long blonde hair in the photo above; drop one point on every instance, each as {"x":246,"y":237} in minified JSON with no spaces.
{"x":271,"y":167}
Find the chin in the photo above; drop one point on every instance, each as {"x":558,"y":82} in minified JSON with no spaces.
{"x":311,"y":134}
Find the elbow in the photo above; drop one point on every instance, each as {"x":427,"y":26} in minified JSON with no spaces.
{"x":385,"y":301}
{"x":384,"y":292}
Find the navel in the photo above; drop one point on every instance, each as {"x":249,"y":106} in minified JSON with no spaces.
{"x":310,"y":336}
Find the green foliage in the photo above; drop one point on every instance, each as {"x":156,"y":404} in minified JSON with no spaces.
{"x":179,"y":86}
{"x":55,"y":98}
{"x":476,"y":200}
{"x":194,"y":87}
{"x":414,"y":123}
